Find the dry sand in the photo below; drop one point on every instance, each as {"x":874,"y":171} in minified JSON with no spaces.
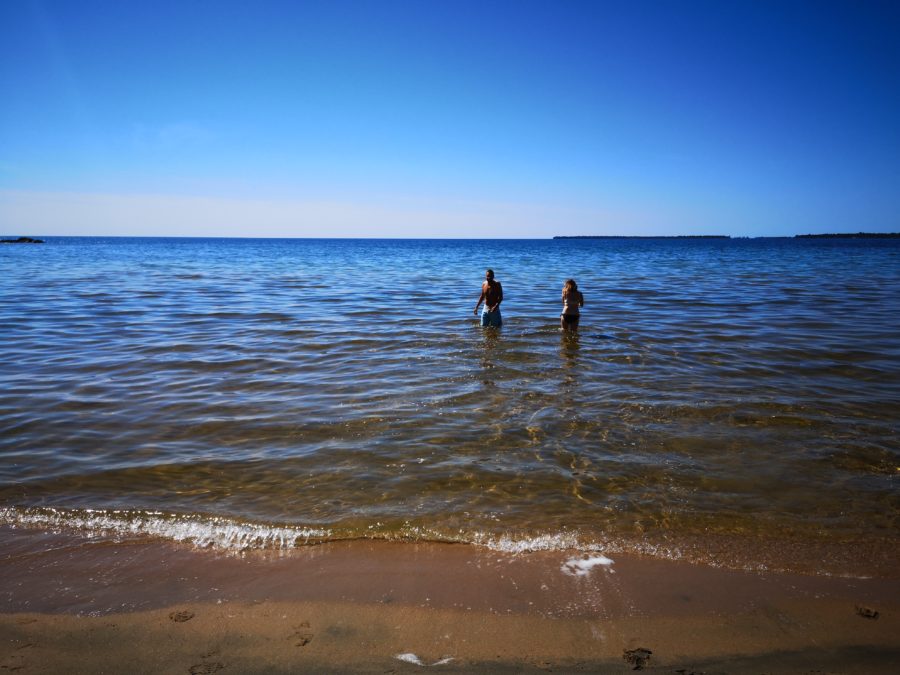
{"x":382,"y":607}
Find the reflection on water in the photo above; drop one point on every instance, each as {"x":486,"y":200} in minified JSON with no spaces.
{"x":720,"y":397}
{"x":490,"y":338}
{"x":569,"y":345}
{"x":569,"y":348}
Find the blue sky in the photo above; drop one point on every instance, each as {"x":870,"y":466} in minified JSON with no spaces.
{"x":443,"y":119}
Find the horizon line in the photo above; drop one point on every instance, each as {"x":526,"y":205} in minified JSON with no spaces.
{"x":860,"y":234}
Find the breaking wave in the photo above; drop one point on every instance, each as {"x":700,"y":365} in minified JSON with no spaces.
{"x":202,"y":531}
{"x":230,"y":534}
{"x":236,"y":536}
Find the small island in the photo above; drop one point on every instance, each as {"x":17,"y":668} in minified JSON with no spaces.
{"x":22,"y":240}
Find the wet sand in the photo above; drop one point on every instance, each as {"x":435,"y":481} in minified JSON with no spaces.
{"x":71,"y":605}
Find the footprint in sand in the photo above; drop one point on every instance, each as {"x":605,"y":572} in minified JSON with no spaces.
{"x":637,"y":658}
{"x":16,"y":662}
{"x":206,"y":668}
{"x":181,"y":617}
{"x":302,"y":634}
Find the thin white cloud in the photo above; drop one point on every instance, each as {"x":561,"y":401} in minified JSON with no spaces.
{"x":62,"y":213}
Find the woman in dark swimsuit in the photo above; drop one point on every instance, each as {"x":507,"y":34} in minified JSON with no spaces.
{"x":573,"y":300}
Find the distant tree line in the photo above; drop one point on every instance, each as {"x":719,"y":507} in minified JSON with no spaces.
{"x":850,"y":235}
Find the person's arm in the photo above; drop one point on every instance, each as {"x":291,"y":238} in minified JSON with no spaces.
{"x":581,"y":298}
{"x":480,"y":299}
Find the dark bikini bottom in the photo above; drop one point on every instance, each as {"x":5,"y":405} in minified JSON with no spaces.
{"x":571,"y":318}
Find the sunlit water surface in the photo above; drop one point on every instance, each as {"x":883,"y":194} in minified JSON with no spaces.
{"x":735,"y":402}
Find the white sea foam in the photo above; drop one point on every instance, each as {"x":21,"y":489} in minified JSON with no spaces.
{"x":203,"y":531}
{"x":581,"y":567}
{"x":409,"y":657}
{"x":504,"y":543}
{"x":546,"y":542}
{"x":234,"y":535}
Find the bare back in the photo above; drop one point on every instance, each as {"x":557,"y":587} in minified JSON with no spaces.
{"x":572,"y":301}
{"x":492,"y":292}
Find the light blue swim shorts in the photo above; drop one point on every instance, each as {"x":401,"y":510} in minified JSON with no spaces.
{"x":492,"y":319}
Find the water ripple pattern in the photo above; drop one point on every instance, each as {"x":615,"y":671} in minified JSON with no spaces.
{"x":722,"y":398}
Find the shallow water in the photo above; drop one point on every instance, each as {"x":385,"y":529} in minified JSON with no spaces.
{"x":730,"y":401}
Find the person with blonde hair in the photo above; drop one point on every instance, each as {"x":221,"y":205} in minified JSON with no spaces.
{"x":573,"y":301}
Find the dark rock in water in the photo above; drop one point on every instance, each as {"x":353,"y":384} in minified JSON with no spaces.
{"x":637,"y":657}
{"x":22,"y":240}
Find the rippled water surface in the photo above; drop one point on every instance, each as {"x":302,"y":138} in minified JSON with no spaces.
{"x":732,"y":401}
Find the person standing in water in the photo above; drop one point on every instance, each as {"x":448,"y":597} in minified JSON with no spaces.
{"x":573,"y":301}
{"x":491,"y":296}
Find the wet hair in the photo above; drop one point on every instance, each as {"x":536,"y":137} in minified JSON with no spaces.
{"x":570,"y":285}
{"x":490,"y":273}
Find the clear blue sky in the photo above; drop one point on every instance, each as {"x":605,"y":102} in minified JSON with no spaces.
{"x":427,"y":118}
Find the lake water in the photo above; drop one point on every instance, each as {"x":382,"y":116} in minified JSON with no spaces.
{"x":731,"y":402}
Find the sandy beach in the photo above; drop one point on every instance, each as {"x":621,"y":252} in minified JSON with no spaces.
{"x":363,"y":606}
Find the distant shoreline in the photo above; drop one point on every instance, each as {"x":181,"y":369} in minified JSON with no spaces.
{"x":851,"y":235}
{"x":841,"y":235}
